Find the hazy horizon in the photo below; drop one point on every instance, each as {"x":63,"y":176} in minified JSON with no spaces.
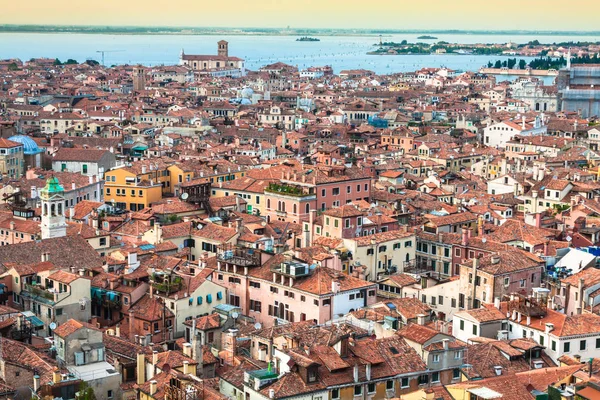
{"x":516,"y":15}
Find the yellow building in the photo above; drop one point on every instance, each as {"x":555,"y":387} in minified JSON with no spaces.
{"x":249,"y":189}
{"x":11,"y":159}
{"x":131,"y":189}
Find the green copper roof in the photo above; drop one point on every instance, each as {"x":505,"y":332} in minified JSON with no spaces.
{"x":52,"y":186}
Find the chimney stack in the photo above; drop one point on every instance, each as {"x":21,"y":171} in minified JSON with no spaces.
{"x":153,"y":387}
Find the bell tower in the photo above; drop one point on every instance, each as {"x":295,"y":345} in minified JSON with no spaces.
{"x":223,"y":47}
{"x":53,"y":209}
{"x":139,"y":78}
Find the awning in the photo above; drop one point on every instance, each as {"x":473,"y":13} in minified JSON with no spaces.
{"x":35,"y":321}
{"x":484,"y":393}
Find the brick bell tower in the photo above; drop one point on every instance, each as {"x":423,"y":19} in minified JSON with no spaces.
{"x":223,"y":47}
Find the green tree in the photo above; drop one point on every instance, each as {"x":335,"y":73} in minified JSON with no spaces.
{"x":70,"y":61}
{"x":13,"y":67}
{"x":498,"y":64}
{"x":85,"y":392}
{"x":57,"y":62}
{"x":522,"y":64}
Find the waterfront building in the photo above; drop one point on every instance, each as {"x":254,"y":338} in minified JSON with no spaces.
{"x":221,"y":65}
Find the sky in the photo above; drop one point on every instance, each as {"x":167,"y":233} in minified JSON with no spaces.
{"x":556,"y":15}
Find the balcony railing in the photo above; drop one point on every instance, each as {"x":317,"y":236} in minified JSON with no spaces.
{"x":167,"y":284}
{"x":39,"y":291}
{"x":238,"y":256}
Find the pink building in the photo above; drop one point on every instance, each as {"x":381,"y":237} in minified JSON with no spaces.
{"x":347,"y":222}
{"x":334,"y":185}
{"x":288,"y":202}
{"x":284,"y":289}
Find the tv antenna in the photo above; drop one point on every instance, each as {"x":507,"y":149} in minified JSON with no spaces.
{"x":107,"y":51}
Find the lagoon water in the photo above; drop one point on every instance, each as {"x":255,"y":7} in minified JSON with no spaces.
{"x":341,"y":52}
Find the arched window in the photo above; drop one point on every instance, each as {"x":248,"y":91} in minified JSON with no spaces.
{"x":46,"y":209}
{"x":295,"y":209}
{"x":307,"y":208}
{"x":268,"y":203}
{"x":52,"y":210}
{"x":60,"y":209}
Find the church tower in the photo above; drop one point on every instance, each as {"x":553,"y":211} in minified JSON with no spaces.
{"x":53,"y":210}
{"x":223,"y":48}
{"x":139,"y":78}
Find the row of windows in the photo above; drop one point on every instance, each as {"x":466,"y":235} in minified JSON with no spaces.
{"x":426,"y":248}
{"x":123,"y":192}
{"x":395,"y":246}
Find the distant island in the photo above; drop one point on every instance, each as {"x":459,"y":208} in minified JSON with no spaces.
{"x":427,"y":37}
{"x":532,"y":48}
{"x":307,"y":39}
{"x":195,"y":30}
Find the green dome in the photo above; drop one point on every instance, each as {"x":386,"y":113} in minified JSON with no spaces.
{"x":52,"y":186}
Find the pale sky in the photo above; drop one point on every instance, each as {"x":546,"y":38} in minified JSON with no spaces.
{"x":391,"y":14}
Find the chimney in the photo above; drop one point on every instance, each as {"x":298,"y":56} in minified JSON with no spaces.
{"x":497,"y":302}
{"x":186,"y":367}
{"x":118,"y":330}
{"x":465,"y":236}
{"x":474,"y":282}
{"x":549,"y":328}
{"x":153,"y":387}
{"x":528,"y":320}
{"x":421,"y":319}
{"x":495,"y":259}
{"x":580,"y":296}
{"x":187,"y":350}
{"x":335,"y":286}
{"x":36,"y":383}
{"x":56,"y":378}
{"x":355,"y":373}
{"x":143,"y":169}
{"x":368,"y":371}
{"x":307,"y":350}
{"x":446,"y":343}
{"x":141,"y":368}
{"x":131,"y":324}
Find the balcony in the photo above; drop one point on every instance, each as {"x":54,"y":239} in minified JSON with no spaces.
{"x":289,"y":190}
{"x":421,"y":267}
{"x":38,"y":291}
{"x":48,"y":295}
{"x":166,"y":284}
{"x":238,"y":256}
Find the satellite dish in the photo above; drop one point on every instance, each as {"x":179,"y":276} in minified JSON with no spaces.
{"x":257,"y":325}
{"x":52,"y":325}
{"x":234,"y":315}
{"x":569,"y":238}
{"x":184,"y":196}
{"x":484,"y":240}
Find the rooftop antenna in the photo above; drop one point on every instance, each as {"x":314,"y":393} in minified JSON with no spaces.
{"x":107,"y":51}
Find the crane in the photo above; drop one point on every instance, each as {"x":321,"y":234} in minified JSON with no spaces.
{"x":107,"y":51}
